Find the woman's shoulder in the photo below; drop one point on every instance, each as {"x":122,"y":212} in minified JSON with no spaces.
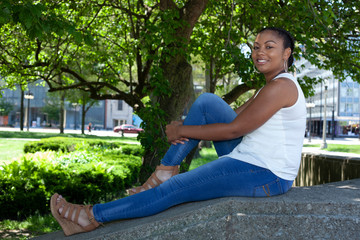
{"x":285,"y":75}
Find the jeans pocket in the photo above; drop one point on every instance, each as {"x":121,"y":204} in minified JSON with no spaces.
{"x":270,"y":189}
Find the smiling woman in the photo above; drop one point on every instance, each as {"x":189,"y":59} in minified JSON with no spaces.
{"x":258,"y":147}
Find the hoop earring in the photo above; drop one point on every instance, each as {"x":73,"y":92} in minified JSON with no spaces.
{"x":285,"y":66}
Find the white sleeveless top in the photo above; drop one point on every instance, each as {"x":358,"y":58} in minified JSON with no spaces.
{"x":277,"y":144}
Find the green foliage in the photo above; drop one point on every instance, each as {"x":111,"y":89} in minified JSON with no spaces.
{"x":53,"y":144}
{"x":132,"y":150}
{"x":154,"y":118}
{"x":38,"y":19}
{"x":65,"y":144}
{"x":98,"y":173}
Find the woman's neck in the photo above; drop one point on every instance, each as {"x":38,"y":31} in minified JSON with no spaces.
{"x":270,"y":77}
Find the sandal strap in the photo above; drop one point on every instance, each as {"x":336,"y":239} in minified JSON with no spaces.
{"x":70,"y":208}
{"x":153,"y":181}
{"x":167,"y":168}
{"x":94,"y":223}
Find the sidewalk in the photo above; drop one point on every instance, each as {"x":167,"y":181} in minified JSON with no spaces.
{"x":107,"y":133}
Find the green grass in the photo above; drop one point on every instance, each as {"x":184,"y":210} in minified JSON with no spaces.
{"x":31,"y":227}
{"x":207,"y":155}
{"x":338,"y":148}
{"x":344,"y":148}
{"x":11,"y":149}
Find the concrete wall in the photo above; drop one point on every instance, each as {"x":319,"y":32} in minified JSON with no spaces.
{"x":329,"y":211}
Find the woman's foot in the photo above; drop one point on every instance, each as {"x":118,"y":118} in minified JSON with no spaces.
{"x":72,"y":218}
{"x":161,"y":174}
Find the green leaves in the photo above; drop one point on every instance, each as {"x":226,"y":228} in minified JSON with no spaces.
{"x":93,"y":171}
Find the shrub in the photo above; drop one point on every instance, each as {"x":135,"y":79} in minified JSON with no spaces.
{"x":66,"y":144}
{"x":135,"y":150}
{"x":82,"y":177}
{"x":51,"y":144}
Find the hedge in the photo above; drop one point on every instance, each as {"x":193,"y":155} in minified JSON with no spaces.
{"x":98,"y":173}
{"x":65,"y":144}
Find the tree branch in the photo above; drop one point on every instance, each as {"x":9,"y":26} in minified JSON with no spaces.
{"x":236,"y":92}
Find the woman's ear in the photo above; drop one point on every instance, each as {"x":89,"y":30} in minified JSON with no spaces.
{"x":287,"y":53}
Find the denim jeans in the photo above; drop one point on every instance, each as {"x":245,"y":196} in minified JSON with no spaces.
{"x":223,"y":177}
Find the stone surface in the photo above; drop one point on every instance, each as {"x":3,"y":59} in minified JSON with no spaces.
{"x":329,"y":211}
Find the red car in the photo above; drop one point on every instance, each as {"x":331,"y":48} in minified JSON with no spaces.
{"x":127,"y":128}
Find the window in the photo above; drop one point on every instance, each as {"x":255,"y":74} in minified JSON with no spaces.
{"x":343,"y":92}
{"x":356,"y":108}
{"x":356,"y":92}
{"x":349,"y":92}
{"x":349,"y":108}
{"x":120,"y":105}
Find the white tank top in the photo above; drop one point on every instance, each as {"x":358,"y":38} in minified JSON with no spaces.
{"x":277,"y":144}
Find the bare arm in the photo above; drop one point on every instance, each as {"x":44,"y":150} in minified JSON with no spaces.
{"x":275,"y":95}
{"x":242,"y":107}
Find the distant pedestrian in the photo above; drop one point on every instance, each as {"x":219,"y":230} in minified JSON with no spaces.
{"x":89,"y":127}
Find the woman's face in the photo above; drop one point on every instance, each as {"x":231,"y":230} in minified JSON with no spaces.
{"x":269,"y":54}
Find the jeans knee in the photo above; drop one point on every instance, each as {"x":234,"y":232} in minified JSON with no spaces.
{"x":206,"y":98}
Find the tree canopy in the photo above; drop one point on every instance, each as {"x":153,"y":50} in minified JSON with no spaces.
{"x":140,"y":51}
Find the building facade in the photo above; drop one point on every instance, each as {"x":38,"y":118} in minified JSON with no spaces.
{"x":118,"y":112}
{"x":342,"y":103}
{"x":105,"y":114}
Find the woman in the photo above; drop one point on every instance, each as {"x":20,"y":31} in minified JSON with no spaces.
{"x":259,"y":147}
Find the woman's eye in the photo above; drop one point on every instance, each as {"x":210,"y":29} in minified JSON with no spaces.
{"x":255,"y":48}
{"x":268,"y":47}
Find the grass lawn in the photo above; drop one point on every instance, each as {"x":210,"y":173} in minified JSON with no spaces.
{"x":338,"y":148}
{"x":207,"y":155}
{"x":11,"y":149}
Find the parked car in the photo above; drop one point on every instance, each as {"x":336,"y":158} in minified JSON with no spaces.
{"x":127,"y":128}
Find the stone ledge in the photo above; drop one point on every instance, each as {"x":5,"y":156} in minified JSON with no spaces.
{"x":329,"y":211}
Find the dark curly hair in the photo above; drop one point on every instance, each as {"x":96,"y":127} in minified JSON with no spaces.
{"x":289,"y":41}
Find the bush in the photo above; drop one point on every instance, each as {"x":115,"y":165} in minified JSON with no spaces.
{"x":82,"y":177}
{"x":66,"y":144}
{"x":51,"y":144}
{"x":135,"y":150}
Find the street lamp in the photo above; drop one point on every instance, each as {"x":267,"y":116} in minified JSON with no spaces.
{"x":323,"y":144}
{"x":28,"y":96}
{"x":310,"y":106}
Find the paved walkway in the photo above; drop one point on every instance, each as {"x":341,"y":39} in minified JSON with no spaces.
{"x":72,"y":131}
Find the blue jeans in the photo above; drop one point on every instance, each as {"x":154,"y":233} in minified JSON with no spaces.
{"x":223,"y":177}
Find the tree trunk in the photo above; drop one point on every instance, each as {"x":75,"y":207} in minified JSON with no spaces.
{"x":178,"y":72}
{"x":83,"y":115}
{"x":22,"y":110}
{"x":62,"y":112}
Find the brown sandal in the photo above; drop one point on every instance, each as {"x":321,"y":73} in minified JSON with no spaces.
{"x":71,"y":227}
{"x":153,"y":180}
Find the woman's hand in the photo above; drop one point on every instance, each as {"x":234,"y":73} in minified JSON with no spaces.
{"x":172,"y":133}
